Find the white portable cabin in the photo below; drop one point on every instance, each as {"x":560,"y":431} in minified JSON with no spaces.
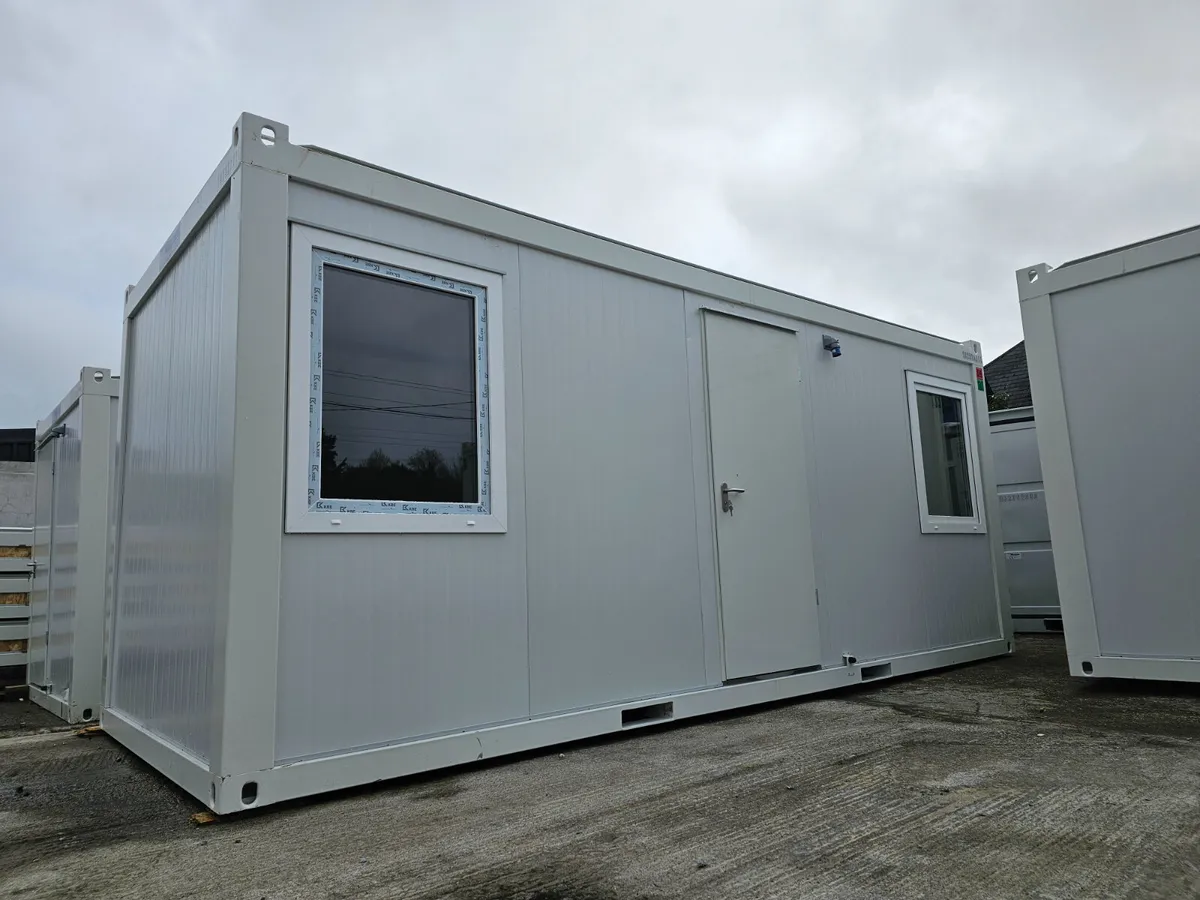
{"x":74,"y":465}
{"x":1028,"y":555}
{"x":1109,"y":341}
{"x":566,"y":487}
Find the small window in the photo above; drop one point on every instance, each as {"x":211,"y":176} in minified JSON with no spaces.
{"x":395,"y":426}
{"x":942,"y":421}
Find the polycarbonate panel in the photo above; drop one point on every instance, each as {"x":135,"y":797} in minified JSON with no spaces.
{"x":64,"y":545}
{"x":168,"y":557}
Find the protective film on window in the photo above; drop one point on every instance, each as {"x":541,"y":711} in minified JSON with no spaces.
{"x":944,"y":455}
{"x":398,"y":403}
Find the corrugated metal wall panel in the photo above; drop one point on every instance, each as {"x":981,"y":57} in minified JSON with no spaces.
{"x":168,"y":545}
{"x":63,"y":554}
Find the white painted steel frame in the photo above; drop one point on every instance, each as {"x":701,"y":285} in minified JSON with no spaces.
{"x":93,"y":395}
{"x":300,"y":516}
{"x":954,"y":390}
{"x":1036,"y":286}
{"x":254,"y":174}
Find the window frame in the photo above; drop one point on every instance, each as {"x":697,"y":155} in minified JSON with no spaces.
{"x":964,"y":393}
{"x":301,"y":514}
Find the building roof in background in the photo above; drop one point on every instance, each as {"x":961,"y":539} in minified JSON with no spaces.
{"x":1008,"y":374}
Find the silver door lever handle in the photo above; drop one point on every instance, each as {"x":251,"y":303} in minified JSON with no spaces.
{"x":726,"y":500}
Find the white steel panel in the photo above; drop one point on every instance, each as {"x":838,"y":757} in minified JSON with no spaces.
{"x":1023,"y":515}
{"x":1132,"y":417}
{"x":169,"y":538}
{"x":1031,"y":585}
{"x":760,"y":488}
{"x":64,"y":559}
{"x":433,"y":626}
{"x":428,"y":631}
{"x":885,"y":587}
{"x":614,"y":594}
{"x":1015,"y":451}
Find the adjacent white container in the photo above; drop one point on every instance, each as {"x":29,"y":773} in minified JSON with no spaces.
{"x":591,"y":487}
{"x":70,"y":548}
{"x":1028,"y":555}
{"x":1109,"y":342}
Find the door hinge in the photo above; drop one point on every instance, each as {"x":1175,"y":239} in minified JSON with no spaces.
{"x":818,"y":593}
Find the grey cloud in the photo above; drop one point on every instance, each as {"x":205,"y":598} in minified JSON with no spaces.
{"x":899,"y":158}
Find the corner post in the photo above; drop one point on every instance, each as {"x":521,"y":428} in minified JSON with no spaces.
{"x":245,"y":671}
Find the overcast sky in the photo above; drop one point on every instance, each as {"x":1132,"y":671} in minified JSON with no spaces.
{"x":897,"y":158}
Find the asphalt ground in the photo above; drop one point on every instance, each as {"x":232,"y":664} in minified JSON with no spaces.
{"x":1005,"y":778}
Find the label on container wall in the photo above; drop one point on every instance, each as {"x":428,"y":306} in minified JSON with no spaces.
{"x":1020,"y":496}
{"x":1011,"y":554}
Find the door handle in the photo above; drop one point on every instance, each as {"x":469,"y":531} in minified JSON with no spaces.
{"x":726,"y":499}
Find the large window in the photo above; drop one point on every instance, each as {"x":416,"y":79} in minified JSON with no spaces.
{"x":942,"y":418}
{"x":396,"y":359}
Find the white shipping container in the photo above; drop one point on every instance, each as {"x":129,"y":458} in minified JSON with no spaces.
{"x":409,"y":479}
{"x":74,"y":463}
{"x":1028,"y":555}
{"x":1119,"y":442}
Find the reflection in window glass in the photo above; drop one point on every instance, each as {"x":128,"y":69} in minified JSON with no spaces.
{"x":944,"y":455}
{"x":398,"y":399}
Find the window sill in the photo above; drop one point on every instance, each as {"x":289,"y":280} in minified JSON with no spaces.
{"x":309,"y":522}
{"x":952,"y":526}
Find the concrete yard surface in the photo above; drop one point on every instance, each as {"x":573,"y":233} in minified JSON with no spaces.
{"x":1002,"y":779}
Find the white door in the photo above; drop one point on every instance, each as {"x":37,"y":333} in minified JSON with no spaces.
{"x":760,"y":489}
{"x":39,"y":593}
